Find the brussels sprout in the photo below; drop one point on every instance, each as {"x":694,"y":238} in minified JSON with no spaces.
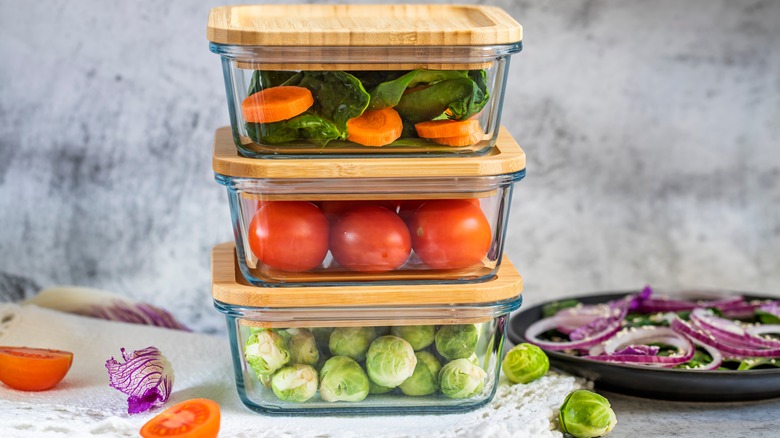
{"x":390,"y":360}
{"x":585,"y":414}
{"x":418,"y":336}
{"x":425,"y":379}
{"x":373,"y":388}
{"x":351,"y":341}
{"x":302,"y":347}
{"x":461,"y":379}
{"x":342,"y":379}
{"x":525,"y":363}
{"x":456,"y":341}
{"x":265,"y":351}
{"x":295,"y":383}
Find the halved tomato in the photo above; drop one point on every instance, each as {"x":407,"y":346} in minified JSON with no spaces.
{"x":33,"y":369}
{"x":195,"y":418}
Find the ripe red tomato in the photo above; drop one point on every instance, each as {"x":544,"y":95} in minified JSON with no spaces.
{"x":370,"y":238}
{"x":289,"y":235}
{"x":33,"y":369}
{"x":333,"y":209}
{"x":195,"y":418}
{"x":450,"y":234}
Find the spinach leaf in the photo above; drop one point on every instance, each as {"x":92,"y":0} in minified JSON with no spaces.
{"x":262,"y":79}
{"x":338,"y":96}
{"x":430,"y":102}
{"x":472,"y":104}
{"x":388,"y":94}
{"x":308,"y":126}
{"x":372,"y":78}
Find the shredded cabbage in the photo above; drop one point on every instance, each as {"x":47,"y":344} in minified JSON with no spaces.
{"x":146,"y":377}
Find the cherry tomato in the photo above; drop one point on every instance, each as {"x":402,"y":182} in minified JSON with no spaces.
{"x":33,"y":369}
{"x":370,"y":239}
{"x":289,"y":235}
{"x":333,"y":209}
{"x":195,"y":418}
{"x":450,"y":234}
{"x":409,"y":206}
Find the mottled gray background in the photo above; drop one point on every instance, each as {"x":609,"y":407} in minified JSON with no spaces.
{"x":651,"y":130}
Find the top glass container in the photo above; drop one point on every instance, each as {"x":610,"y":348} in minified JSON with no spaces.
{"x":360,"y":79}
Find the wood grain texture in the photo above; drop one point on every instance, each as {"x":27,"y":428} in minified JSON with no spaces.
{"x":228,"y":286}
{"x":361,"y":25}
{"x":506,"y":157}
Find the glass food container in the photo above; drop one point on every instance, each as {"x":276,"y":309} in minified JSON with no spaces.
{"x":313,"y":221}
{"x":345,"y":80}
{"x":365,"y":350}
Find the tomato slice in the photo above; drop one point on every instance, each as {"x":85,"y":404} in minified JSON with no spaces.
{"x":195,"y":418}
{"x":33,"y":369}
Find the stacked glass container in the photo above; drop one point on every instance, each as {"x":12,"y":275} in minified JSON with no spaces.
{"x":369,"y":185}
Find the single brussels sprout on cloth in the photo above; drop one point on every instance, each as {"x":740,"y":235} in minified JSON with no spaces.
{"x":457,"y":341}
{"x":351,"y":341}
{"x":418,"y":336}
{"x":585,"y":414}
{"x":342,"y":379}
{"x":375,"y":389}
{"x":525,"y":363}
{"x":390,"y":360}
{"x":295,"y":383}
{"x":461,"y":379}
{"x":425,"y":379}
{"x":266,"y":351}
{"x":302,"y":347}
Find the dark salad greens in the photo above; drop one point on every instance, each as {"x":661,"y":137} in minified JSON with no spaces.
{"x":339,"y":96}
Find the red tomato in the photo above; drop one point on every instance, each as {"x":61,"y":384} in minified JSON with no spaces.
{"x":289,"y":235}
{"x":370,"y":239}
{"x":33,"y":369}
{"x":450,"y":234}
{"x":195,"y":418}
{"x":333,"y":209}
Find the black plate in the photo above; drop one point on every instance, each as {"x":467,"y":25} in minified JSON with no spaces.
{"x":657,"y":383}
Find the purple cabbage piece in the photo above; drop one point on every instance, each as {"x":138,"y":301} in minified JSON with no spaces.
{"x":772,"y":307}
{"x":636,"y":301}
{"x":643,"y":350}
{"x":135,"y":313}
{"x":146,"y":377}
{"x":589,"y":329}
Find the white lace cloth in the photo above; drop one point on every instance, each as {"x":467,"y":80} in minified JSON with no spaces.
{"x":84,"y":405}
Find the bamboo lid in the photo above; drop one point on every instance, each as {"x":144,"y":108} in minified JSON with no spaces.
{"x":229,"y":287}
{"x":361,"y":25}
{"x":505,"y":157}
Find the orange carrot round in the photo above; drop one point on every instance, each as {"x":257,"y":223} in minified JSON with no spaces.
{"x":375,"y":128}
{"x":447,"y":128}
{"x":276,"y":104}
{"x":461,"y":140}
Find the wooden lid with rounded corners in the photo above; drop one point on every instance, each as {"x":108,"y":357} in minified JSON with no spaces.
{"x":362,"y":25}
{"x":505,"y":157}
{"x":229,"y":287}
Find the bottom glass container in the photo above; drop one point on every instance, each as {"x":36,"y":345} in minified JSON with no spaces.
{"x":365,"y":350}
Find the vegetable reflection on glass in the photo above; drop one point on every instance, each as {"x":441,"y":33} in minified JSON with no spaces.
{"x":146,"y":377}
{"x":585,"y":414}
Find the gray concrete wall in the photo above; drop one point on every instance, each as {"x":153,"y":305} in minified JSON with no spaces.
{"x":651,"y":130}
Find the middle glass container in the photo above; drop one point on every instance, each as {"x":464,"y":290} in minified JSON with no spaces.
{"x":317,"y":222}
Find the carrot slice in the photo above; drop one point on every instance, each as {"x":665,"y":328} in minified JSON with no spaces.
{"x":447,"y":128}
{"x":194,"y":418}
{"x":276,"y":104}
{"x":461,"y":140}
{"x":375,"y":128}
{"x":33,"y":369}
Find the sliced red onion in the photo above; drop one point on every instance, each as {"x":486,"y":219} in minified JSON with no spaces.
{"x":717,"y":358}
{"x":696,"y":333}
{"x":729,"y":331}
{"x":146,"y":377}
{"x":546,"y":324}
{"x":772,"y":308}
{"x":647,"y":350}
{"x":615,"y":352}
{"x":759,"y":330}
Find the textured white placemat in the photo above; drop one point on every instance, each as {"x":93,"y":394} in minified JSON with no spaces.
{"x":84,"y":405}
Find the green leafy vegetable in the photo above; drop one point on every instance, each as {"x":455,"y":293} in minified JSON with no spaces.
{"x":338,"y":96}
{"x":266,"y":79}
{"x":388,"y":94}
{"x":308,"y":126}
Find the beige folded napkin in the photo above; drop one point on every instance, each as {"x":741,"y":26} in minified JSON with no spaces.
{"x":84,"y":405}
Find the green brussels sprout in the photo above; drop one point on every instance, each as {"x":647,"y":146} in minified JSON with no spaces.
{"x":351,"y":341}
{"x":390,"y":360}
{"x":295,"y":383}
{"x":425,"y":379}
{"x":456,"y":341}
{"x":418,"y":336}
{"x":302,"y":347}
{"x":266,"y":351}
{"x":525,"y":363}
{"x":585,"y":414}
{"x":461,"y":379}
{"x":373,"y":388}
{"x":342,"y":379}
